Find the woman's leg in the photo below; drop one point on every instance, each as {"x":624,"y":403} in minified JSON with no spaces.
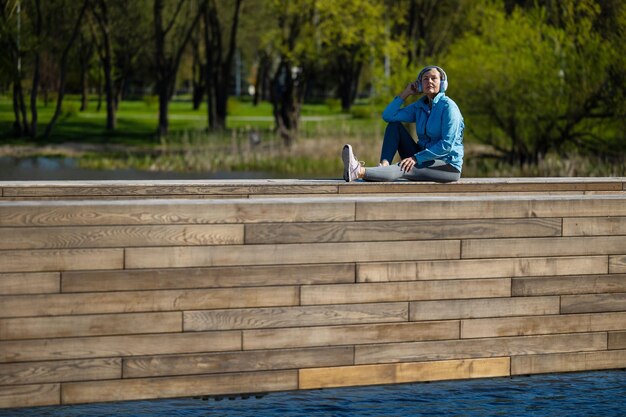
{"x":397,"y":139}
{"x":437,"y":171}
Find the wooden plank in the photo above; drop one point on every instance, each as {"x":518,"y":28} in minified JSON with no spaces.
{"x":186,"y":386}
{"x":256,"y":318}
{"x":168,"y":187}
{"x":594,"y":226}
{"x":30,"y":283}
{"x":119,"y":236}
{"x":404,"y":291}
{"x":216,"y":277}
{"x":478,"y":348}
{"x":568,"y":246}
{"x":398,"y":373}
{"x":60,"y":259}
{"x":617,"y":264}
{"x":484,"y":185}
{"x":593,"y":303}
{"x":94,"y":325}
{"x":60,"y":371}
{"x":349,"y":335}
{"x":399,"y":230}
{"x":212,"y":363}
{"x":306,"y":253}
{"x":486,"y":207}
{"x":483,"y":307}
{"x":172,"y":212}
{"x":30,"y":395}
{"x":617,"y":340}
{"x":568,"y":362}
{"x":145,"y":301}
{"x":116,"y":346}
{"x":536,"y":325}
{"x":482,"y":268}
{"x":576,"y":284}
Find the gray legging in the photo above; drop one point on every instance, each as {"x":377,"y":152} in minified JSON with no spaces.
{"x":437,"y":171}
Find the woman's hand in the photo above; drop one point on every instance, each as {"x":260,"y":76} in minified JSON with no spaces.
{"x":409,"y":90}
{"x":407,"y":164}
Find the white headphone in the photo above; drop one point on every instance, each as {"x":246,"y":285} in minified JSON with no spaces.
{"x":443,"y":86}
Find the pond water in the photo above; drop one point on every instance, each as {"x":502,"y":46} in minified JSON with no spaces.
{"x":601,"y":394}
{"x":62,"y":169}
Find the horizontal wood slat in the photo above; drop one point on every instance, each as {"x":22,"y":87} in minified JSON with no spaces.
{"x":119,"y":236}
{"x":479,"y":348}
{"x":617,"y":340}
{"x":261,"y":318}
{"x":60,"y":259}
{"x":568,"y":362}
{"x":182,"y":386}
{"x":185,"y":256}
{"x":403,"y":373}
{"x":595,"y":226}
{"x":591,"y":303}
{"x":211,"y":363}
{"x":617,"y":264}
{"x":215,"y":277}
{"x":481,"y":268}
{"x":577,"y":284}
{"x":30,"y":283}
{"x":30,"y":395}
{"x":349,"y":335}
{"x":144,"y":301}
{"x":118,"y":346}
{"x":60,"y":371}
{"x":483,"y":307}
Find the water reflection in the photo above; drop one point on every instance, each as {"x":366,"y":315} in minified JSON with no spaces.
{"x":62,"y":169}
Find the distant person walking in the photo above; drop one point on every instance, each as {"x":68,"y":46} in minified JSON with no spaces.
{"x":438,"y":154}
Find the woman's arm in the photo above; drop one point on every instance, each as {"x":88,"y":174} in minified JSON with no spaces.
{"x":451,"y":131}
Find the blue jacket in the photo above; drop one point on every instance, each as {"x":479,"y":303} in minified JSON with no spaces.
{"x":439,"y":130}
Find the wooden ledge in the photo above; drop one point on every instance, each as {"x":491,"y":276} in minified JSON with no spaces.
{"x":18,"y":190}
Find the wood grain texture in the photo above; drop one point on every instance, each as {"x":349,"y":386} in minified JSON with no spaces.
{"x":60,"y":371}
{"x":216,"y":277}
{"x":306,"y":253}
{"x":349,"y":335}
{"x":478,"y":348}
{"x":483,"y":207}
{"x":480,"y":268}
{"x":482,"y":307}
{"x":402,"y":373}
{"x":30,"y":283}
{"x":400,"y":230}
{"x":184,"y":386}
{"x":93,"y":325}
{"x":237,"y":362}
{"x":536,"y":325}
{"x":568,"y":246}
{"x":30,"y":395}
{"x":171,"y":212}
{"x":568,"y":362}
{"x":118,"y":236}
{"x":146,"y":301}
{"x":576,"y":284}
{"x":594,"y":226}
{"x":118,"y":346}
{"x":404,"y":291}
{"x":60,"y":259}
{"x":259,"y":318}
{"x":617,"y":264}
{"x":617,"y":340}
{"x":593,"y":303}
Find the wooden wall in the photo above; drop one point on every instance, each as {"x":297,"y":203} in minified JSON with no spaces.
{"x":139,"y":298}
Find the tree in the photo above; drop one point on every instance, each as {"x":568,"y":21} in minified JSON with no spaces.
{"x":171,"y":38}
{"x":543,"y":96}
{"x":350,"y":34}
{"x":219,"y":61}
{"x":104,"y":46}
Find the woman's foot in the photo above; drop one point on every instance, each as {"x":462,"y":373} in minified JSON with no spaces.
{"x":351,"y":165}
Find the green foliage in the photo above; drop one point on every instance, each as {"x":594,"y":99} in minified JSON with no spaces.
{"x":537,"y":83}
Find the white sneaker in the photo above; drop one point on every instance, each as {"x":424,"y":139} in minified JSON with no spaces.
{"x":351,"y":165}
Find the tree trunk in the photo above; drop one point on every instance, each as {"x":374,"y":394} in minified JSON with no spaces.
{"x":63,"y":70}
{"x":20,"y":125}
{"x":106,"y":56}
{"x":36,"y":74}
{"x":287,"y":94}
